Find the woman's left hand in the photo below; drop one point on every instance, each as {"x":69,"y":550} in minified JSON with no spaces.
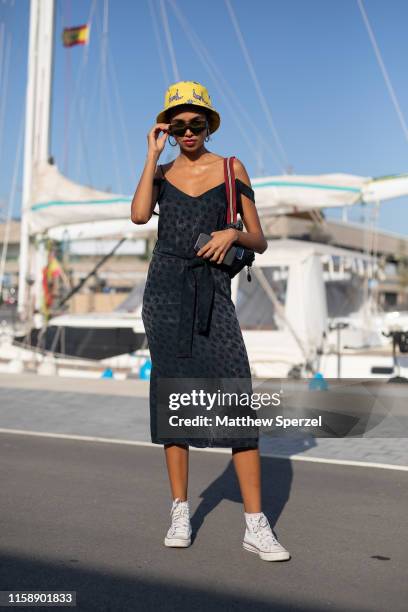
{"x":216,"y":248}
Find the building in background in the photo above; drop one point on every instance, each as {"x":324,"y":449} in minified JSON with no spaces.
{"x":120,"y":273}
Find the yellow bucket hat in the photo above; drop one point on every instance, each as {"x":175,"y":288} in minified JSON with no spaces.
{"x":189,"y":92}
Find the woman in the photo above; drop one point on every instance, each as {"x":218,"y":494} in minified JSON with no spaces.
{"x":191,"y":195}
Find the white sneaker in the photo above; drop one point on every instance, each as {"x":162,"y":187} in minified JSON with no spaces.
{"x":179,"y":533}
{"x":259,"y":538}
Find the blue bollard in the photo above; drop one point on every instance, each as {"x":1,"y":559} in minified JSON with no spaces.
{"x":318,"y":382}
{"x":145,"y":369}
{"x":107,"y":373}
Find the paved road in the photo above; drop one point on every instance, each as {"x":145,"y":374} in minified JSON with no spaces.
{"x":91,"y":516}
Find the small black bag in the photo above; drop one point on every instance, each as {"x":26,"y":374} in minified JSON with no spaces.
{"x":243,"y":256}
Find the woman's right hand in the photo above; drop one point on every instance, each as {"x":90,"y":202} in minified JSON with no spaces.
{"x":156,"y":143}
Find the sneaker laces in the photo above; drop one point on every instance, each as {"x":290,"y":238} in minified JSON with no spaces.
{"x":180,"y":517}
{"x":264,"y":531}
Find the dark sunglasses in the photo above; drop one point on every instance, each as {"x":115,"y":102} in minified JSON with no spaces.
{"x":179,"y":128}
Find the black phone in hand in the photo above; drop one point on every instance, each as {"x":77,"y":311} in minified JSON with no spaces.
{"x":204,"y":238}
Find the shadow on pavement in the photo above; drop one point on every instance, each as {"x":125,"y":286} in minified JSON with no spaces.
{"x":107,"y":592}
{"x":277,"y":475}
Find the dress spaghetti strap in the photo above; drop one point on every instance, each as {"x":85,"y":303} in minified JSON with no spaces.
{"x":158,"y":181}
{"x":246,"y":190}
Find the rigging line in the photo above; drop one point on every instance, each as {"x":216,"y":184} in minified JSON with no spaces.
{"x":4,"y":92}
{"x":11,"y":201}
{"x":366,"y":263}
{"x":106,"y":94}
{"x":111,"y":65}
{"x":82,"y":145}
{"x":107,"y":99}
{"x":84,"y":59}
{"x":98,"y":117}
{"x":67,"y":99}
{"x":199,"y":49}
{"x":113,"y":139}
{"x":256,"y":83}
{"x":97,"y":74}
{"x":169,"y":41}
{"x":75,"y":99}
{"x":89,"y":22}
{"x":377,"y":228}
{"x":97,"y":87}
{"x":384,"y":70}
{"x":375,"y":235}
{"x":82,"y":148}
{"x":86,"y":121}
{"x":2,"y":27}
{"x":159,"y":44}
{"x":10,"y":24}
{"x":221,"y":84}
{"x":79,"y":145}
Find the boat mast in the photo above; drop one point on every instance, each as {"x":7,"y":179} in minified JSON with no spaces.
{"x":37,"y":132}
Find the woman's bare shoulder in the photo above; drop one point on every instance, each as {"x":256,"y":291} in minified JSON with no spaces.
{"x":218,"y":157}
{"x":241,"y":172}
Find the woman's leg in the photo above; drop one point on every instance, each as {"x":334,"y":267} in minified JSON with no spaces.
{"x":179,"y":533}
{"x":177,"y":468}
{"x":248,"y":468}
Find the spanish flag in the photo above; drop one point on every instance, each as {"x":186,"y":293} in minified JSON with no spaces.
{"x":75,"y":36}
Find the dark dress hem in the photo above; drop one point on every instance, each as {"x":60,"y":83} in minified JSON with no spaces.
{"x":240,"y":443}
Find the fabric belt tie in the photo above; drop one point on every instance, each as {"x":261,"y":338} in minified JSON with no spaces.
{"x":196,"y":291}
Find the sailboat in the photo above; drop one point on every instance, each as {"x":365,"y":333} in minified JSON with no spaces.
{"x":51,"y":202}
{"x":54,"y":206}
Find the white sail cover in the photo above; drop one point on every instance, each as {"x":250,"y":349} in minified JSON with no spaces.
{"x":290,"y":193}
{"x":59,"y":202}
{"x":294,"y":193}
{"x":385,"y":188}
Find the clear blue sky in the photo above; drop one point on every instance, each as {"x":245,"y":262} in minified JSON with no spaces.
{"x":313,"y":59}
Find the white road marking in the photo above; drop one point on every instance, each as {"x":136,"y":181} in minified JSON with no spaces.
{"x":46,"y":434}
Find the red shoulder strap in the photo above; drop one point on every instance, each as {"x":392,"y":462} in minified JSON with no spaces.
{"x":229,"y":177}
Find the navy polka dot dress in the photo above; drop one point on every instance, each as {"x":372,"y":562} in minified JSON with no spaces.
{"x":188,"y":315}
